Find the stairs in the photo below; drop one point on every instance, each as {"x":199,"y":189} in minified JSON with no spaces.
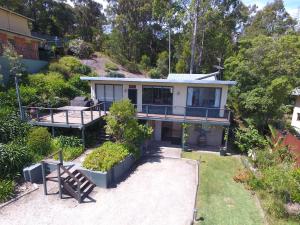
{"x":76,"y":184}
{"x":103,"y":136}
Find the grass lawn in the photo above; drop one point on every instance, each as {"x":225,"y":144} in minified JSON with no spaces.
{"x":220,"y":200}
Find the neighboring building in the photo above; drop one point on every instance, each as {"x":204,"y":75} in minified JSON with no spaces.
{"x":165,"y":104}
{"x":14,"y":29}
{"x":296,"y":113}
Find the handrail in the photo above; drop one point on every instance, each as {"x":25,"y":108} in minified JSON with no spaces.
{"x":58,"y":109}
{"x":178,"y":106}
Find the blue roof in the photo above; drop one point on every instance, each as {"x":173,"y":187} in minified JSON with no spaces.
{"x":166,"y":81}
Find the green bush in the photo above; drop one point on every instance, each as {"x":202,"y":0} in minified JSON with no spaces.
{"x":39,"y":141}
{"x":7,"y":188}
{"x":249,"y":139}
{"x":80,"y":48}
{"x":79,"y":84}
{"x":145,"y":62}
{"x":154,"y":74}
{"x":132,"y":67}
{"x":52,"y":85}
{"x":105,"y":157}
{"x":11,"y":126}
{"x":59,"y":68}
{"x":68,"y":66}
{"x":115,"y":74}
{"x":162,"y":63}
{"x":111,"y":66}
{"x":71,"y":146}
{"x":13,"y":157}
{"x":123,"y":127}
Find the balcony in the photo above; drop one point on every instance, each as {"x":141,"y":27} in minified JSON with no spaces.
{"x":213,"y":116}
{"x":78,"y":117}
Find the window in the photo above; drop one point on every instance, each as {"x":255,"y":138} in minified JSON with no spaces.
{"x":204,"y":97}
{"x":155,"y":95}
{"x":298,"y":116}
{"x":109,"y":92}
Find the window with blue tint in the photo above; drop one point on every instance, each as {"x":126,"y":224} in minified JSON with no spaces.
{"x":203,"y":101}
{"x":204,"y":97}
{"x":157,"y":99}
{"x":156,"y":95}
{"x":109,"y":93}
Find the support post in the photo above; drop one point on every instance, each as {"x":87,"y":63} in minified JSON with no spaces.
{"x":59,"y":180}
{"x":52,"y":117}
{"x":91,"y":114}
{"x":81,"y":115}
{"x":67,"y":116}
{"x":53,"y":131}
{"x":44,"y":177}
{"x":60,"y":155}
{"x":83,"y":136}
{"x":226,"y":137}
{"x":38,"y":114}
{"x":206,"y":114}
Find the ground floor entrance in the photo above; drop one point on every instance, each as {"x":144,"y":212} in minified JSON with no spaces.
{"x":199,"y":135}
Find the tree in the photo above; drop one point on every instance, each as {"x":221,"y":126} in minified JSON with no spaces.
{"x":273,"y":19}
{"x":162,"y":64}
{"x":89,"y":19}
{"x":266,"y":70}
{"x":17,"y":71}
{"x":122,"y":125}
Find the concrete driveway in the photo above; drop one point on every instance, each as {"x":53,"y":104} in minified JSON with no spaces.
{"x":160,"y":191}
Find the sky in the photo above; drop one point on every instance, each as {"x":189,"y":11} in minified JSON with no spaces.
{"x":290,"y":5}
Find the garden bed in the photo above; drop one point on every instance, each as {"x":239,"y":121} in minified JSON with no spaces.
{"x":107,"y":179}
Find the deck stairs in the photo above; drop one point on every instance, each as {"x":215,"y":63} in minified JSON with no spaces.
{"x":71,"y":181}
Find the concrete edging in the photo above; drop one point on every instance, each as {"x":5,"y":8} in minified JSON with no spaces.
{"x":33,"y":173}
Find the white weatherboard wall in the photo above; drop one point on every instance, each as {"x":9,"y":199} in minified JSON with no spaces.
{"x":179,"y":93}
{"x":295,"y":121}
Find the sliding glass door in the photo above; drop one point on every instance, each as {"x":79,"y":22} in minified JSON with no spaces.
{"x":202,"y":101}
{"x":108,"y":93}
{"x":157,"y":99}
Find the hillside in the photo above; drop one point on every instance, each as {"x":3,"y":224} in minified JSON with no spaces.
{"x":98,"y":65}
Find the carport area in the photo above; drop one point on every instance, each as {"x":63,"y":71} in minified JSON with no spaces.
{"x":160,"y":191}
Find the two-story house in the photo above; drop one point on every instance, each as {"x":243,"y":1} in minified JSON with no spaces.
{"x":196,"y":99}
{"x":14,"y":29}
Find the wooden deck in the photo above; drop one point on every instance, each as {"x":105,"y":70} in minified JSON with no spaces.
{"x":74,"y":119}
{"x":80,"y":117}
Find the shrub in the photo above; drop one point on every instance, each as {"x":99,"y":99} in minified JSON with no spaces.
{"x":7,"y":188}
{"x":39,"y":141}
{"x":79,"y":84}
{"x":242,"y":176}
{"x":145,"y":62}
{"x":69,"y":141}
{"x":69,"y":65}
{"x":80,"y":48}
{"x":11,"y":126}
{"x":13,"y":157}
{"x":154,"y":74}
{"x":111,"y":66}
{"x":59,"y":68}
{"x":71,"y":147}
{"x":122,"y":125}
{"x":132,"y":67}
{"x":249,"y":139}
{"x":162,"y":63}
{"x":115,"y":74}
{"x":105,"y":157}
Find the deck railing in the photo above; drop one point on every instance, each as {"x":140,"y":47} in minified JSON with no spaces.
{"x":185,"y":112}
{"x":38,"y":114}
